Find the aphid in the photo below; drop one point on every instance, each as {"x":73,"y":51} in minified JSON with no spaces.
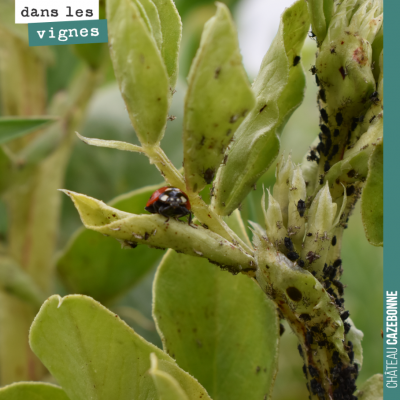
{"x":333,"y":50}
{"x":350,"y":190}
{"x":301,"y":207}
{"x":313,"y":69}
{"x":337,"y":263}
{"x":354,"y":124}
{"x":313,"y":371}
{"x":347,"y":327}
{"x":335,"y":358}
{"x":351,"y":356}
{"x":352,"y":173}
{"x":336,"y":132}
{"x":296,"y":60}
{"x":317,"y":80}
{"x":335,"y":149}
{"x":322,"y":95}
{"x":288,"y":243}
{"x":325,"y":130}
{"x":334,"y":241}
{"x":331,"y":292}
{"x":309,"y":338}
{"x":305,"y":370}
{"x":374,"y":97}
{"x":339,"y":118}
{"x":292,"y":256}
{"x":320,"y":148}
{"x":311,"y":257}
{"x":327,"y":166}
{"x":339,"y":285}
{"x":328,"y":144}
{"x":345,"y":315}
{"x":169,"y":202}
{"x":373,"y":117}
{"x":313,"y":156}
{"x":299,"y":348}
{"x":361,"y":118}
{"x":300,"y":263}
{"x":343,"y":72}
{"x":321,"y":179}
{"x":324,"y":115}
{"x":339,"y":302}
{"x":312,"y":35}
{"x":209,"y":175}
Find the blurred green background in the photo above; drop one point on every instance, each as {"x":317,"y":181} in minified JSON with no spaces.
{"x":105,"y":173}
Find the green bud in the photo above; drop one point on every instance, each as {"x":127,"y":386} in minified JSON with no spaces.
{"x":276,"y":230}
{"x":284,"y":171}
{"x":296,"y":223}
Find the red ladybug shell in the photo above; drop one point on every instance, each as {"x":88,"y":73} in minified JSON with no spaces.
{"x":155,"y":196}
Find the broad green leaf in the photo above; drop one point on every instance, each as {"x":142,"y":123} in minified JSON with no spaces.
{"x":371,"y":389}
{"x":95,"y":265}
{"x":154,"y":231}
{"x":91,"y":352}
{"x":5,"y":169}
{"x":14,"y":127}
{"x":218,"y":98}
{"x":173,"y":383}
{"x":14,"y":280}
{"x":220,"y":328}
{"x":32,"y":391}
{"x":372,"y":198}
{"x":139,"y":69}
{"x":279,"y":90}
{"x":171,"y":28}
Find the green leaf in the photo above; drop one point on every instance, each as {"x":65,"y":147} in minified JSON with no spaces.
{"x":235,"y":222}
{"x":139,"y":69}
{"x":371,"y":389}
{"x":32,"y":391}
{"x":152,"y":230}
{"x":355,"y":336}
{"x":173,"y":383}
{"x":220,"y":328}
{"x":96,"y":265}
{"x":154,"y":19}
{"x":372,"y":198}
{"x":13,"y":127}
{"x":91,"y":352}
{"x":171,"y":28}
{"x":218,"y":98}
{"x":279,"y":90}
{"x":5,"y":169}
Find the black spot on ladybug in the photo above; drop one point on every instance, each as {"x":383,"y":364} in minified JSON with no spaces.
{"x":336,"y":132}
{"x":292,"y":256}
{"x":301,"y":207}
{"x":350,"y":190}
{"x":339,"y":118}
{"x":209,"y":175}
{"x":334,"y":241}
{"x":296,"y":60}
{"x":324,"y":115}
{"x":327,"y":166}
{"x":294,"y":293}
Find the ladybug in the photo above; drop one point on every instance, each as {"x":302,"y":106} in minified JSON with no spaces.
{"x":169,"y":202}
